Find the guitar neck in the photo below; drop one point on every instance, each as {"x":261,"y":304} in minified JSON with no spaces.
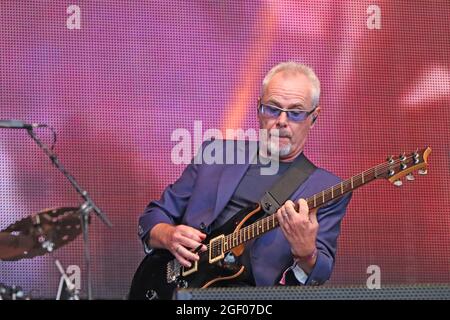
{"x":270,"y":222}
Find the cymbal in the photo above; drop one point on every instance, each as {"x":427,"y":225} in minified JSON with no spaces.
{"x":40,"y":233}
{"x":14,"y":245}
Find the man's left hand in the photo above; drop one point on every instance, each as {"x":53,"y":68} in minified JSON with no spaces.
{"x":300,"y":227}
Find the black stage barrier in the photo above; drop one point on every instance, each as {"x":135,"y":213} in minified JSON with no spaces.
{"x":391,"y":292}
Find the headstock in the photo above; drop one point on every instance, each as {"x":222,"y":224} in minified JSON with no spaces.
{"x":404,"y":165}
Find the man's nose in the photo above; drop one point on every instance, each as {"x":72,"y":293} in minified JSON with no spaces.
{"x":282,"y":119}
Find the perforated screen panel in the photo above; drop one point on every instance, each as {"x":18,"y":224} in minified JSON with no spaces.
{"x":116,"y":78}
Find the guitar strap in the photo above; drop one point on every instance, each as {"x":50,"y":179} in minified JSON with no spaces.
{"x":285,"y":186}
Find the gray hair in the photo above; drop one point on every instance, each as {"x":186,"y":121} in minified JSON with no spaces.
{"x":295,"y":67}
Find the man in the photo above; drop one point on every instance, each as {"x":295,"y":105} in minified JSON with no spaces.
{"x":302,"y":250}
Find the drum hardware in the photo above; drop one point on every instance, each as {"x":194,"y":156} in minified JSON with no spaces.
{"x":47,"y":243}
{"x":12,"y":293}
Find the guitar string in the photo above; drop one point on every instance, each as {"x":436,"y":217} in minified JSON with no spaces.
{"x":377,"y":170}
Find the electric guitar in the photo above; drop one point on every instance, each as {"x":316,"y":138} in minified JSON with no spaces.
{"x":160,"y":274}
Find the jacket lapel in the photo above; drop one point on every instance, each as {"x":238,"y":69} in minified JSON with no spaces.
{"x":230,"y":178}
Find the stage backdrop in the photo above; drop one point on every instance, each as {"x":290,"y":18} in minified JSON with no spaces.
{"x":115,"y":78}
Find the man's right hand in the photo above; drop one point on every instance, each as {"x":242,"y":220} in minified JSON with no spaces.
{"x":180,"y":240}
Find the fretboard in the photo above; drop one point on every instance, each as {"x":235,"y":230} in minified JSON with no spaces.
{"x":270,"y":222}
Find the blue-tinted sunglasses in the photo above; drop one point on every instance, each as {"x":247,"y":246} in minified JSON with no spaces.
{"x":296,"y":115}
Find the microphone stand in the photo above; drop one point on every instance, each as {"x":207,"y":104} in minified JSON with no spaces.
{"x":85,"y":208}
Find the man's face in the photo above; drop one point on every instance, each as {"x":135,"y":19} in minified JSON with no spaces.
{"x":288,"y":91}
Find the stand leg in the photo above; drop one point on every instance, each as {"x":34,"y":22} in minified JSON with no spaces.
{"x":87,"y":256}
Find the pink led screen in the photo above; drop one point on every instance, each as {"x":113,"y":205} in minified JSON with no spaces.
{"x":117,"y":82}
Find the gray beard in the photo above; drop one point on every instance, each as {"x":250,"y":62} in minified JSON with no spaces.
{"x":270,"y":146}
{"x":273,"y":149}
{"x":280,"y":150}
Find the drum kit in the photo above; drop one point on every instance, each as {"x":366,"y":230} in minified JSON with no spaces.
{"x":48,"y":230}
{"x":37,"y":235}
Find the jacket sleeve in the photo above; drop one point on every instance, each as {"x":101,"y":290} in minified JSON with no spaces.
{"x":171,"y":206}
{"x":329,"y":218}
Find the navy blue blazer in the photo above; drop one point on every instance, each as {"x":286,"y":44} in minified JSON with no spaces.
{"x":202,"y":192}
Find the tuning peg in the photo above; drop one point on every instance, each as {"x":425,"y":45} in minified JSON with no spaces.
{"x":403,"y":166}
{"x":390,"y":159}
{"x":423,"y":171}
{"x":416,"y":158}
{"x":402,"y":157}
{"x":410,"y":177}
{"x":398,"y":183}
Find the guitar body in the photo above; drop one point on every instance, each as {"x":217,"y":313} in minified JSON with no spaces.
{"x":152,"y":279}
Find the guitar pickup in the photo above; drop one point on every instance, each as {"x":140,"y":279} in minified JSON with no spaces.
{"x":216,"y":251}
